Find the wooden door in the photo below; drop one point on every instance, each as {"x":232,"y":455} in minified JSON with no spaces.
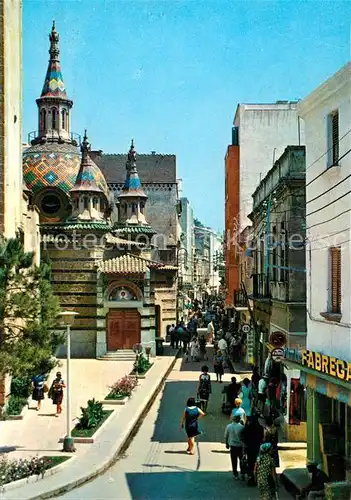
{"x":123,"y":329}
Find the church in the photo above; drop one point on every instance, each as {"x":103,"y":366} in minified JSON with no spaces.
{"x":107,"y":264}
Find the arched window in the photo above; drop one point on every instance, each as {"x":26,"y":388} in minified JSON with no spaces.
{"x":133,"y":208}
{"x":142,"y":206}
{"x":95,"y":202}
{"x":125,"y":208}
{"x":86,"y":202}
{"x":76,"y":203}
{"x":64,"y":120}
{"x":43,"y":119}
{"x":53,"y":118}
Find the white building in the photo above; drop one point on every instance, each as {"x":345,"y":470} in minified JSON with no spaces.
{"x":264,"y":132}
{"x":326,"y":366}
{"x":187,"y":242}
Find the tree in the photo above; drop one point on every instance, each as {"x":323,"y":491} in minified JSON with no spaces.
{"x":28,"y":313}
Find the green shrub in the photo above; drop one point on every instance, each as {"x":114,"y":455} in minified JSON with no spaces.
{"x":142,"y":365}
{"x":91,"y":415}
{"x":15,"y":405}
{"x":21,"y":387}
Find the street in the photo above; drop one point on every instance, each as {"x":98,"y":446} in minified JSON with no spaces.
{"x":156,"y":465}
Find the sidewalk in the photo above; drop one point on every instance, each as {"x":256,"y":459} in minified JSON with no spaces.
{"x":89,"y":459}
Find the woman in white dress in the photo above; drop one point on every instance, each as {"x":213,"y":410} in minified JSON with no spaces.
{"x":246,"y":396}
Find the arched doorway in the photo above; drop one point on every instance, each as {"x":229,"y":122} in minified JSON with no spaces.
{"x":123,"y":329}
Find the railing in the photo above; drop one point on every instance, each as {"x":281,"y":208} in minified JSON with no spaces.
{"x":240,"y":299}
{"x":52,"y":136}
{"x":260,"y":286}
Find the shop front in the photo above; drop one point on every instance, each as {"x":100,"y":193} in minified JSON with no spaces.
{"x":328,"y":387}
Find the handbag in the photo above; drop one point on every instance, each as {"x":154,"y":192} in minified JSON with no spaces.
{"x":46,"y":387}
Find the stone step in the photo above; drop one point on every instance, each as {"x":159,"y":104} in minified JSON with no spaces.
{"x":122,"y":355}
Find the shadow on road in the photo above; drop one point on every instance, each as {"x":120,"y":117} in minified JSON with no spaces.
{"x":175,"y":394}
{"x":184,"y":485}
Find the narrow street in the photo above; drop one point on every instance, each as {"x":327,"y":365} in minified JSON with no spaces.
{"x":156,"y":465}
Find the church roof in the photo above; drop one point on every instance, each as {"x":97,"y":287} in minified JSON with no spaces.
{"x":131,"y":264}
{"x":54,"y":85}
{"x":132,"y":229}
{"x":89,"y":178}
{"x":152,"y":168}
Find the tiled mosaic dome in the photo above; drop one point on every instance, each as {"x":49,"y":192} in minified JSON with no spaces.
{"x":55,"y":165}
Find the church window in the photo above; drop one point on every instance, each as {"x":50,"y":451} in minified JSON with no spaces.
{"x":86,"y":202}
{"x":133,"y":208}
{"x":53,"y":118}
{"x":95,"y":202}
{"x":43,"y":119}
{"x":142,"y":206}
{"x":125,"y":208}
{"x":64,"y":121}
{"x":76,"y":203}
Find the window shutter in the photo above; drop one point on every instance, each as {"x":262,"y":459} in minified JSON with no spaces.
{"x":335,"y":137}
{"x":336,"y":279}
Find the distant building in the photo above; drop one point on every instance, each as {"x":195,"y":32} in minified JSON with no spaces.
{"x":260,"y":134}
{"x":326,"y":366}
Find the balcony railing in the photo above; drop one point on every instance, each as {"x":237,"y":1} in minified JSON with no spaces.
{"x":52,"y":136}
{"x":240,"y":299}
{"x":260,"y":286}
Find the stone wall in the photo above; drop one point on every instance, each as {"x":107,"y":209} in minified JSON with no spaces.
{"x":74,"y":280}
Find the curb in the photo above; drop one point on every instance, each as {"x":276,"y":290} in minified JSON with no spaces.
{"x":123,"y":445}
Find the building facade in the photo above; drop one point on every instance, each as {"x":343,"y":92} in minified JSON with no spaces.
{"x":326,"y":365}
{"x":260,"y":134}
{"x":18,"y":215}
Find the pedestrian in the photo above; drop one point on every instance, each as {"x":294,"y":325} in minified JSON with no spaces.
{"x":239,"y":410}
{"x":253,"y":438}
{"x":218,"y":365}
{"x":271,"y":436}
{"x":265,"y":473}
{"x":315,"y":489}
{"x":171,"y":332}
{"x":38,"y":386}
{"x":262,"y":394}
{"x":210,"y":332}
{"x":194,"y":349}
{"x":190,"y":419}
{"x":204,"y":388}
{"x":271,"y":393}
{"x":233,"y":437}
{"x":56,"y":392}
{"x":232,"y":390}
{"x":246,"y":396}
{"x":202,"y":347}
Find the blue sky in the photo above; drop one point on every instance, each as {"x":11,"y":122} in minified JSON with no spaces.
{"x":170,"y":73}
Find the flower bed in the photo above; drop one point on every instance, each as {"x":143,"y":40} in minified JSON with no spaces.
{"x":79,"y":431}
{"x":16,"y":469}
{"x":143,"y":371}
{"x":123,"y":388}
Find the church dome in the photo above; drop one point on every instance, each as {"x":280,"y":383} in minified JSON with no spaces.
{"x":51,"y":165}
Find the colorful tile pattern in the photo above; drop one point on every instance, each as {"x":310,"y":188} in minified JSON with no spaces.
{"x":50,"y":168}
{"x":53,"y":84}
{"x":90,"y":178}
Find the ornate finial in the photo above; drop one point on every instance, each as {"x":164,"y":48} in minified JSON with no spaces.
{"x":131,"y":155}
{"x":85,"y":146}
{"x":54,"y":40}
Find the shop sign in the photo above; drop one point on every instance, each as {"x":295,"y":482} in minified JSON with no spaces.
{"x":278,"y":339}
{"x":277,"y":355}
{"x":326,"y":364}
{"x":320,"y":362}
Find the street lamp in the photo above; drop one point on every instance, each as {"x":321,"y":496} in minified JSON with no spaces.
{"x":68,"y":319}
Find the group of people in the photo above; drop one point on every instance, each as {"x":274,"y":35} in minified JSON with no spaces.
{"x":55,"y":392}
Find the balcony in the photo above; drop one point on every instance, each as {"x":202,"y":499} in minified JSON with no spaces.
{"x":260,"y":286}
{"x":41,"y":136}
{"x":240,"y":299}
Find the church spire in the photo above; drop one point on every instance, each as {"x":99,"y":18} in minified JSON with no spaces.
{"x":132,"y":200}
{"x":53,"y":104}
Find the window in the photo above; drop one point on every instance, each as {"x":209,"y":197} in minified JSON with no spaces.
{"x":125,"y":208}
{"x":142,"y":206}
{"x":53,"y":118}
{"x":43,"y":119}
{"x":274,"y":255}
{"x":86,"y":202}
{"x":333,"y":138}
{"x":50,"y":204}
{"x":64,"y":121}
{"x":133,"y":208}
{"x":95,"y":203}
{"x":335,"y":276}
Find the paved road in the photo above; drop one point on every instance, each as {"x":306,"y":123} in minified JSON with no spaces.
{"x":156,"y":465}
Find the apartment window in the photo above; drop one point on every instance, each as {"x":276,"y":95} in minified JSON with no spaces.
{"x":333,"y":138}
{"x":335,"y":277}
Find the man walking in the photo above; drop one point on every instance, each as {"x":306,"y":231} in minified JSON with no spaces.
{"x":233,"y":439}
{"x":171,"y":332}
